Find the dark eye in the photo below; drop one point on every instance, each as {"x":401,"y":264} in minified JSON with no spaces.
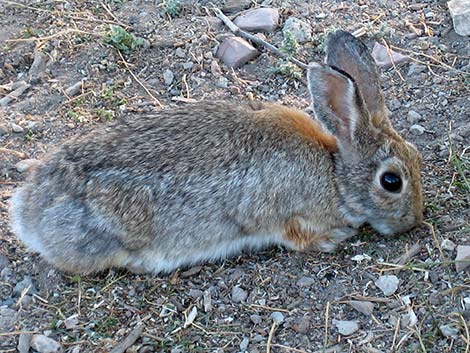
{"x":391,"y":182}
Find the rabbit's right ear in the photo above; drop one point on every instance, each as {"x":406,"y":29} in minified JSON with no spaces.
{"x":338,"y":105}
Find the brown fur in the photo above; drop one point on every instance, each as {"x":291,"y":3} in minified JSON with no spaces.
{"x":302,"y":239}
{"x":300,"y":123}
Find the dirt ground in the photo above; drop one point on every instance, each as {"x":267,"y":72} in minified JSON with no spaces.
{"x":275,"y":300}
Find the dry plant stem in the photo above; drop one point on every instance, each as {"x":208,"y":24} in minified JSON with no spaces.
{"x":14,"y":3}
{"x":16,"y":153}
{"x":270,"y":337}
{"x":107,"y":9}
{"x":235,"y":29}
{"x":392,"y":61}
{"x":15,"y":333}
{"x":395,"y":335}
{"x":327,"y":319}
{"x":126,"y":64}
{"x":130,"y":339}
{"x":288,"y":348}
{"x":408,"y":255}
{"x":434,"y":236}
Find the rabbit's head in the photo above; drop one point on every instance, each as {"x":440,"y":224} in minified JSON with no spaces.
{"x":377,"y":171}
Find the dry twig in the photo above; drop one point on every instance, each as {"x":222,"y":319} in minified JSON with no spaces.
{"x":130,"y":339}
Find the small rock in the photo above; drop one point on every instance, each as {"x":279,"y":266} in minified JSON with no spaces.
{"x":196,"y":293}
{"x":417,"y":129}
{"x":26,"y":164}
{"x":255,"y":318}
{"x":449,"y":331}
{"x":222,"y":82}
{"x":321,"y":16}
{"x":463,"y":257}
{"x":18,"y":88}
{"x":239,"y":294}
{"x":215,"y":68}
{"x":466,"y":302}
{"x":460,"y":12}
{"x":244,"y":344}
{"x":188,"y":65}
{"x":213,"y":22}
{"x":233,"y":6}
{"x":4,"y":262}
{"x":27,"y":282}
{"x":448,"y":245}
{"x":416,"y":69}
{"x":71,"y":322}
{"x":4,"y":129}
{"x":168,"y":77}
{"x":305,"y":281}
{"x":302,"y":325}
{"x":180,"y":53}
{"x":38,"y":66}
{"x":409,"y":319}
{"x":235,"y":52}
{"x":44,"y":344}
{"x":365,"y":308}
{"x":207,"y":301}
{"x":75,"y":89}
{"x":413,"y":117}
{"x":394,"y":104}
{"x":346,"y":328}
{"x":263,"y":19}
{"x":277,"y":317}
{"x":16,"y":128}
{"x":300,"y":30}
{"x":385,"y":58}
{"x":24,"y":342}
{"x":8,"y":318}
{"x":388,"y":284}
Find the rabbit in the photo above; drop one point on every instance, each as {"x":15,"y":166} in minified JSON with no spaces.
{"x":205,"y":181}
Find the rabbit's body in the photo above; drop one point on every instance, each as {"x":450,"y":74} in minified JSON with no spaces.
{"x":183,"y":186}
{"x":207,"y":180}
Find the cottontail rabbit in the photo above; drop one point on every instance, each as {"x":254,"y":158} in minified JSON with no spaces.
{"x":207,"y":180}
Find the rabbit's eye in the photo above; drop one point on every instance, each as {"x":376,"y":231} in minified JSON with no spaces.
{"x":391,"y":182}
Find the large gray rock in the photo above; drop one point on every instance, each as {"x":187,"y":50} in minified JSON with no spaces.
{"x":463,"y":257}
{"x":385,"y":58}
{"x":300,"y":30}
{"x":44,"y":344}
{"x":258,"y":20}
{"x":460,"y":12}
{"x":235,"y":52}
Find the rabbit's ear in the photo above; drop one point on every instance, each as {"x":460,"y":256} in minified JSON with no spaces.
{"x":347,"y":53}
{"x":337,"y":104}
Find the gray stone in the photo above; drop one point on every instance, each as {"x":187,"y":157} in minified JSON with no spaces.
{"x":18,"y":89}
{"x":27,"y":282}
{"x":26,"y":164}
{"x":302,"y":325}
{"x":413,"y":117}
{"x":365,"y":308}
{"x":415,"y":69}
{"x":462,"y":258}
{"x":460,"y":12}
{"x":346,"y":328}
{"x":300,"y":30}
{"x":388,"y":284}
{"x":448,"y":245}
{"x":75,"y":89}
{"x":38,"y":66}
{"x":233,"y":6}
{"x":168,"y":77}
{"x":385,"y":58}
{"x":244,"y":344}
{"x":235,"y":52}
{"x":305,"y":281}
{"x":417,"y":129}
{"x":188,"y":65}
{"x":24,"y":342}
{"x":8,"y":319}
{"x":258,"y":20}
{"x":16,"y":128}
{"x":180,"y":53}
{"x":277,"y":317}
{"x":239,"y":294}
{"x":449,"y":331}
{"x":215,"y":69}
{"x":196,"y":293}
{"x":4,"y":262}
{"x":255,"y":318}
{"x":44,"y":344}
{"x":222,"y":82}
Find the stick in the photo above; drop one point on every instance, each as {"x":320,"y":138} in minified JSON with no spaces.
{"x":130,"y":339}
{"x":270,"y":337}
{"x":235,"y":29}
{"x":408,"y":255}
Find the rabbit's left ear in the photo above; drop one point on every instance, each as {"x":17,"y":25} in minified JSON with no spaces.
{"x":338,"y":106}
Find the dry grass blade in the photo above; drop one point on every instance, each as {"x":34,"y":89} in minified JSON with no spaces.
{"x":130,"y":339}
{"x":270,"y":337}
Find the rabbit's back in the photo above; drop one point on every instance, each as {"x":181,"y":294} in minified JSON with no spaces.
{"x":178,"y":184}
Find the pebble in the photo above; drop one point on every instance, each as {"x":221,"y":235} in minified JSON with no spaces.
{"x":222,"y":82}
{"x":460,"y":13}
{"x":363,"y":307}
{"x":235,"y":52}
{"x":388,"y":284}
{"x":463,"y":256}
{"x":244,"y":344}
{"x":449,"y":331}
{"x":180,"y":53}
{"x":168,"y":77}
{"x":413,"y":117}
{"x":302,"y":325}
{"x":25,"y":283}
{"x":44,"y":344}
{"x":258,"y":20}
{"x":239,"y":294}
{"x":256,"y":319}
{"x":16,"y":128}
{"x":26,"y":164}
{"x":383,"y":56}
{"x":71,"y":322}
{"x":4,"y":262}
{"x":448,"y":245}
{"x":233,"y":6}
{"x":24,"y":342}
{"x":38,"y":66}
{"x":215,"y":69}
{"x":305,"y":281}
{"x":394,"y":104}
{"x":417,"y":129}
{"x":277,"y":317}
{"x":75,"y":89}
{"x":466,"y":302}
{"x":346,"y":328}
{"x":196,"y":293}
{"x":415,"y":69}
{"x":300,"y":30}
{"x":188,"y":65}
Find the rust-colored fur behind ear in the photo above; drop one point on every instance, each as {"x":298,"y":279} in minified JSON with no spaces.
{"x":302,"y":124}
